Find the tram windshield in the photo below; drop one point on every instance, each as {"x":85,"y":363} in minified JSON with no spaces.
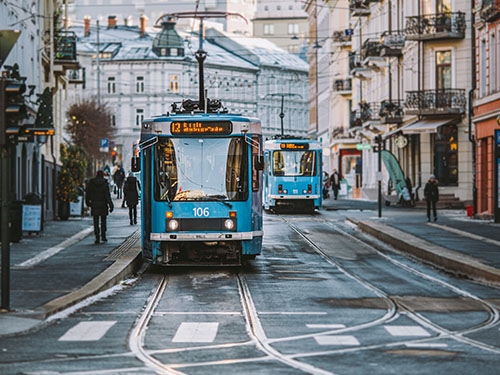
{"x":189,"y":169}
{"x":294,"y":163}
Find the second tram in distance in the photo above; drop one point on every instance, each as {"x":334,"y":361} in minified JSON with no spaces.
{"x":201,"y":177}
{"x":293,"y":174}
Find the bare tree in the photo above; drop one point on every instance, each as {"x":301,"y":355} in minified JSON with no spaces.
{"x":89,"y":122}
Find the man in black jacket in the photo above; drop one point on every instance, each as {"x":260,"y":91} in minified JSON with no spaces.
{"x":99,"y":200}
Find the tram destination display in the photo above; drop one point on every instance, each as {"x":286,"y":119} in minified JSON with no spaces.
{"x":201,"y":127}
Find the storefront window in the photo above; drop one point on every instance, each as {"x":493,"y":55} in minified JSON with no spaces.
{"x":446,"y":155}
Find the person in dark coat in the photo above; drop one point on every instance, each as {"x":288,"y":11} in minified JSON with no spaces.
{"x":131,"y":191}
{"x":335,"y":183}
{"x":431,"y":194}
{"x":99,"y":200}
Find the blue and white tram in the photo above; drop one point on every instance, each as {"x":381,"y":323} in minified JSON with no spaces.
{"x":293,"y":173}
{"x":201,"y":177}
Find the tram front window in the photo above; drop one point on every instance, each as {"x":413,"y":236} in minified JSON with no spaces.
{"x":201,"y":169}
{"x":294,"y":163}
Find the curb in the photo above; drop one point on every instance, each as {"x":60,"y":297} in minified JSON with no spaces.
{"x":459,"y":264}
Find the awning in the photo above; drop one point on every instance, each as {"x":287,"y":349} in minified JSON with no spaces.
{"x":426,"y":126}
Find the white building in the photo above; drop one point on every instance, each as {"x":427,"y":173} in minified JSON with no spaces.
{"x":141,"y":71}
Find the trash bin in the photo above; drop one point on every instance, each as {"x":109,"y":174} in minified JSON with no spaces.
{"x":469,"y":210}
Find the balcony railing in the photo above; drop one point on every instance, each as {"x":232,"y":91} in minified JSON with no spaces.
{"x":436,"y":26}
{"x":77,"y":76}
{"x":340,"y":36}
{"x":392,"y":44}
{"x":370,"y":48}
{"x":490,"y":10}
{"x":359,"y":8}
{"x":65,"y":50}
{"x":343,"y":86}
{"x":435,"y":102}
{"x":391,"y":111}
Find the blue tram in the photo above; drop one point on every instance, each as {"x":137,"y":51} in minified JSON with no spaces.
{"x":201,"y":175}
{"x":292,"y":175}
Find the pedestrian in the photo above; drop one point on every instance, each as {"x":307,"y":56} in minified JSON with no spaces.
{"x":335,"y":183}
{"x":431,"y":194}
{"x":131,"y":190}
{"x":118,"y":178}
{"x":326,"y":185}
{"x":99,"y":200}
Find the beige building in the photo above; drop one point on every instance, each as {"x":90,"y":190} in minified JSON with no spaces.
{"x":400,"y":70}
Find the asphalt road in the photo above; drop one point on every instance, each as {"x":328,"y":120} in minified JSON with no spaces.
{"x":321,"y":299}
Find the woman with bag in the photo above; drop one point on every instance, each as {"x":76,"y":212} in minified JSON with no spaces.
{"x":131,"y":190}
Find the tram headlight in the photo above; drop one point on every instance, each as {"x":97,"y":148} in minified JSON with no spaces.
{"x":229,"y":224}
{"x":172,"y":225}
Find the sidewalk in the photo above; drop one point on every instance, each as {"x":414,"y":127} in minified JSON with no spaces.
{"x":62,"y":266}
{"x":461,"y":245}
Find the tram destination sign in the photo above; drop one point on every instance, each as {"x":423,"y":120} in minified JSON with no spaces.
{"x":294,"y":146}
{"x":201,"y":127}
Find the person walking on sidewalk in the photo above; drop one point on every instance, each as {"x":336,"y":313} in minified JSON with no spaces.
{"x":431,"y":194}
{"x":335,"y":183}
{"x":131,"y":190}
{"x":99,"y":200}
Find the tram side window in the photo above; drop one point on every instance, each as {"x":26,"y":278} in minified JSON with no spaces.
{"x":308,"y":164}
{"x":255,"y":167}
{"x":278,"y":164}
{"x":165,"y":171}
{"x":236,"y":170}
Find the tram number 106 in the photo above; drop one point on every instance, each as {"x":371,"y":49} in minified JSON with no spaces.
{"x":201,"y":212}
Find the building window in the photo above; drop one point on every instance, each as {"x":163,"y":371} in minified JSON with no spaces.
{"x":139,"y":84}
{"x":482,"y":69}
{"x":497,"y":63}
{"x":174,"y":83}
{"x":293,"y":28}
{"x":492,"y":63}
{"x":113,"y":120}
{"x":268,"y":29}
{"x":111,"y":85}
{"x":446,"y":155}
{"x":443,"y":70}
{"x":139,"y":117}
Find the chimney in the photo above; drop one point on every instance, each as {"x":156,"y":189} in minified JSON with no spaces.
{"x":111,"y":22}
{"x":143,"y":20}
{"x":86,"y":26}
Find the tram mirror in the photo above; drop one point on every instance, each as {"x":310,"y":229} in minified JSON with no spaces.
{"x":258,"y":161}
{"x":135,"y":164}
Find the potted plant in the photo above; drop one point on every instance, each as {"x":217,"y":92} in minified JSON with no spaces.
{"x":74,"y":165}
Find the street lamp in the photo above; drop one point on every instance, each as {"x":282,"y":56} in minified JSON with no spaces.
{"x":282,"y":114}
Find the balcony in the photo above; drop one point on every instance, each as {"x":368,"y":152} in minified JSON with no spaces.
{"x":436,"y":102}
{"x":392,"y":45}
{"x":370,"y":54}
{"x":77,"y":76}
{"x":391,"y":111}
{"x":343,"y":86}
{"x":359,"y":8}
{"x":490,"y":10}
{"x":356,"y":68}
{"x":341,"y":37}
{"x":65,"y":50}
{"x":368,"y":112}
{"x":436,"y":26}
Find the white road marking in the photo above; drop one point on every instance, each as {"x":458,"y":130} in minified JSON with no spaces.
{"x":196,"y":332}
{"x":325,"y":326}
{"x":88,"y":331}
{"x":51,"y":251}
{"x":337,"y":340}
{"x":292,"y":313}
{"x":407,"y":331}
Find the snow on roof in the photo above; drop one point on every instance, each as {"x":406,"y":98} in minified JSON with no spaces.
{"x":126,"y":43}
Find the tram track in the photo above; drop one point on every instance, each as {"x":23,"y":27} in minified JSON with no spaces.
{"x":396,"y":305}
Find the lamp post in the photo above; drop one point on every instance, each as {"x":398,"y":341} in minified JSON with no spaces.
{"x":282,"y":113}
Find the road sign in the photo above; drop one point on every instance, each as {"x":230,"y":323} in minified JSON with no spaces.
{"x":363,"y":146}
{"x":104,"y":145}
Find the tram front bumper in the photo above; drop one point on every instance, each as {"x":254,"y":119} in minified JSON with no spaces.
{"x":229,"y":236}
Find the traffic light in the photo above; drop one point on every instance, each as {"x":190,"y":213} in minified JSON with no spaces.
{"x":12,"y":108}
